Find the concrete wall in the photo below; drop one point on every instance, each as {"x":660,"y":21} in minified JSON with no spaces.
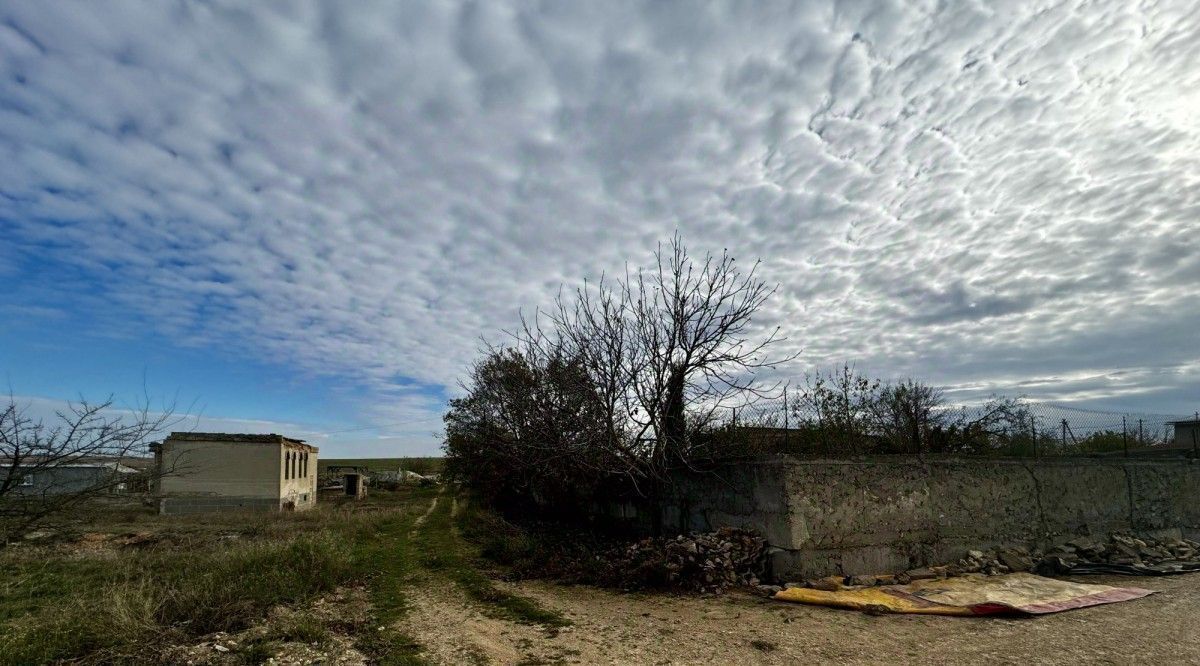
{"x":301,"y":488}
{"x":185,"y":504}
{"x":228,"y":469}
{"x":69,"y":479}
{"x":1187,"y":434}
{"x":871,"y":516}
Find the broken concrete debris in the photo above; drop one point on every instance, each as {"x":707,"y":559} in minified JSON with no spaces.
{"x":1119,"y":553}
{"x":704,"y":562}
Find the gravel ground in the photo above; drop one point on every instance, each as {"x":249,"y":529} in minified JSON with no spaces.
{"x":738,"y":628}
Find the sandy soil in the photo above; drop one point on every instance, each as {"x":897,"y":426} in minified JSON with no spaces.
{"x":614,"y":628}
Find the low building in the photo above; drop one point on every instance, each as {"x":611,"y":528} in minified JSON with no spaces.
{"x":1187,"y":433}
{"x":205,"y":471}
{"x":347,"y":469}
{"x":71,"y":478}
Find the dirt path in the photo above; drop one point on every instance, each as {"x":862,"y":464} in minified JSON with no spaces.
{"x":453,"y":630}
{"x":738,"y":628}
{"x":454,"y":627}
{"x":614,"y":628}
{"x":425,"y":516}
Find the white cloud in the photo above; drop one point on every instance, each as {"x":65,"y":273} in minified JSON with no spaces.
{"x":969,"y":191}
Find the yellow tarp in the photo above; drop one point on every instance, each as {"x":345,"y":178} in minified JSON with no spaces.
{"x":1020,"y":593}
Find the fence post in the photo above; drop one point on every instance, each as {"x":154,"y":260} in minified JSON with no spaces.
{"x":1195,"y":427}
{"x":1141,"y":435}
{"x":787,"y":445}
{"x":1124,"y":437}
{"x":1064,"y":435}
{"x":1033,"y":434}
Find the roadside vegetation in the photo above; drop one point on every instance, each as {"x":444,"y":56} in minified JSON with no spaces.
{"x":126,"y":586}
{"x":614,"y":388}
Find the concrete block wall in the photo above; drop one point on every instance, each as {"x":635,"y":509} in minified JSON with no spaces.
{"x":180,"y":505}
{"x":877,"y":515}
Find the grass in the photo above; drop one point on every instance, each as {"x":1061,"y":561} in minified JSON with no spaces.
{"x":444,"y":549}
{"x":212,"y":573}
{"x":226,"y":572}
{"x":114,"y":614}
{"x":384,"y":550}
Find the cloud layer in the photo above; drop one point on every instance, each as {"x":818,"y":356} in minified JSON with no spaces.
{"x":985,"y":194}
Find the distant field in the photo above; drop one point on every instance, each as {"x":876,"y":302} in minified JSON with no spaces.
{"x":427,"y":465}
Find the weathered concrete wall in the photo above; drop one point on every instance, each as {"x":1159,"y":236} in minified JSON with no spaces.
{"x":869,"y":516}
{"x":185,"y":504}
{"x":230,"y":469}
{"x":301,"y":487}
{"x":69,"y":479}
{"x":216,"y":475}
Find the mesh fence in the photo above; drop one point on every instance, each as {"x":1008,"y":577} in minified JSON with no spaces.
{"x":1008,"y":428}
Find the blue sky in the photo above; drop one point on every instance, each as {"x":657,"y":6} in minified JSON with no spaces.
{"x":303,"y":216}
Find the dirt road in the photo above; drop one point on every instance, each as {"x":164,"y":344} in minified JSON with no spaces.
{"x":614,"y":628}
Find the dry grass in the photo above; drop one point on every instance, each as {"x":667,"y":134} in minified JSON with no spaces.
{"x":188,"y":577}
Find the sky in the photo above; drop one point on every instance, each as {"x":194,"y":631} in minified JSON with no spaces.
{"x":304,"y":217}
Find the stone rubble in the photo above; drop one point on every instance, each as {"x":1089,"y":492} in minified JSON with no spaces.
{"x":700,"y":562}
{"x":1117,"y":549}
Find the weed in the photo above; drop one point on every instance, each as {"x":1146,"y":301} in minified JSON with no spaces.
{"x":300,"y":629}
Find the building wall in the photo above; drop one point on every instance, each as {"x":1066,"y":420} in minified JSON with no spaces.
{"x":228,"y":469}
{"x":873,"y":516}
{"x":67,"y":480}
{"x":301,"y":489}
{"x":1185,"y":432}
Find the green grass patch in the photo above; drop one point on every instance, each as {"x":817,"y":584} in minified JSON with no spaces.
{"x":226,"y":572}
{"x":443,"y":551}
{"x":116,"y":615}
{"x":384,"y":555}
{"x":124,"y":605}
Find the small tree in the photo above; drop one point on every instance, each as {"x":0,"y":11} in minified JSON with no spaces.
{"x":659,"y":352}
{"x":1001,"y":425}
{"x":836,"y":408}
{"x":82,"y":433}
{"x":526,"y":434}
{"x":905,"y":415}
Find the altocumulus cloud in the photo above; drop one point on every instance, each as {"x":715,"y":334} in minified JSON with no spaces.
{"x":987,"y":194}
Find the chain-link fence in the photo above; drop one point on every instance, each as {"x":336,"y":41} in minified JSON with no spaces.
{"x":1001,"y":427}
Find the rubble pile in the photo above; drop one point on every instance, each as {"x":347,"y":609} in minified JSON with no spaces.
{"x":703,"y":562}
{"x":1118,"y":552}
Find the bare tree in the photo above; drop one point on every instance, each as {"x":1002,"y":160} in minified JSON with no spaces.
{"x":35,"y":456}
{"x":663,"y":349}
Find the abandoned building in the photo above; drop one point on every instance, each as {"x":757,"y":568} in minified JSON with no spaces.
{"x":83,"y":475}
{"x":1187,"y":433}
{"x":204,"y":471}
